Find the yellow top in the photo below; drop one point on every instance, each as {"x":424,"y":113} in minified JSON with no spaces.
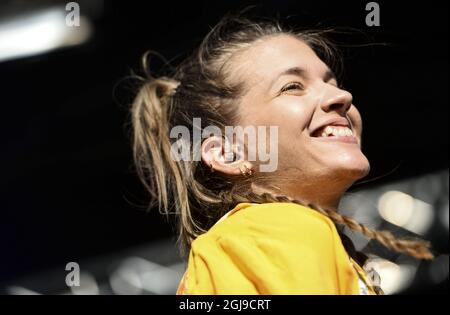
{"x":272,"y":248}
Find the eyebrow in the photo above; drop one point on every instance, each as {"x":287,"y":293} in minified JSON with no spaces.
{"x":301,"y":72}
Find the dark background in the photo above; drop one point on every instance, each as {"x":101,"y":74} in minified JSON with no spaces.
{"x":68,"y":190}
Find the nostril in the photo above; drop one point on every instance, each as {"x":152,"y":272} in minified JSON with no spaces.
{"x":336,"y":106}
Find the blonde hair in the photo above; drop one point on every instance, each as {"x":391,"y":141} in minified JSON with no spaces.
{"x":201,"y":87}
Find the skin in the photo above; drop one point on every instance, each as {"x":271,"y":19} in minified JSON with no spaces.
{"x":309,"y":168}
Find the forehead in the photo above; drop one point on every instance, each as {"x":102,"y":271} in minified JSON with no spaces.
{"x":270,"y":56}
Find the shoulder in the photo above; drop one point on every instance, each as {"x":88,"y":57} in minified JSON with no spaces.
{"x":270,"y":248}
{"x":253,"y":219}
{"x":286,"y":222}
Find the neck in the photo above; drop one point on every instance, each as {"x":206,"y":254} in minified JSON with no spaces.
{"x":326,"y":196}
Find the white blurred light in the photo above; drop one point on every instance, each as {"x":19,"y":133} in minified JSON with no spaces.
{"x":137,"y":276}
{"x":17,"y":290}
{"x":160,"y":280}
{"x":40,"y":32}
{"x":126,"y":281}
{"x":405,"y":211}
{"x":88,"y":285}
{"x":394,"y":277}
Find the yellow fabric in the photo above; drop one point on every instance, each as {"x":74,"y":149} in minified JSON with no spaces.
{"x":272,"y":248}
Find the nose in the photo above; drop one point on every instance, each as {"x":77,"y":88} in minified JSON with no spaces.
{"x":337,"y":100}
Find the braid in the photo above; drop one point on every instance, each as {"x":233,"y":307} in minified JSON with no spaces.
{"x":416,"y":248}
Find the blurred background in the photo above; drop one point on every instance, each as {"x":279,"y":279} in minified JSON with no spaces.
{"x":68,"y":189}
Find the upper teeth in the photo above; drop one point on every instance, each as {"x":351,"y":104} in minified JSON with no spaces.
{"x":337,"y":131}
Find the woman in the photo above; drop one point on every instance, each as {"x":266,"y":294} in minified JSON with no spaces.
{"x":247,"y":229}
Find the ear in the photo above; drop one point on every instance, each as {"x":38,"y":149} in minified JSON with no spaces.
{"x":218,"y":157}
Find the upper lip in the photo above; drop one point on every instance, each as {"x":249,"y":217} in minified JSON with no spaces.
{"x":336,"y":121}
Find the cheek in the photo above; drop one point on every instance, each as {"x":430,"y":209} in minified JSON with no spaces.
{"x":290,"y":114}
{"x":294,"y":146}
{"x":292,"y":117}
{"x":355,"y":118}
{"x":292,"y":124}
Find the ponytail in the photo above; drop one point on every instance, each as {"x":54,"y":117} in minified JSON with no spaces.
{"x":163,"y":177}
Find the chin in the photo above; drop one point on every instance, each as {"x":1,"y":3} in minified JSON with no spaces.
{"x":352,"y":167}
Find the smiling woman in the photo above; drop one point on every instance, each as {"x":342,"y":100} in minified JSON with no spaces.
{"x":248,"y":231}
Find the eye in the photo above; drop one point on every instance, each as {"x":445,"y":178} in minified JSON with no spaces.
{"x":333,"y":82}
{"x":292,"y":86}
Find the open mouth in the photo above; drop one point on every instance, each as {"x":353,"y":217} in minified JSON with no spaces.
{"x":335,"y":133}
{"x":330,"y":131}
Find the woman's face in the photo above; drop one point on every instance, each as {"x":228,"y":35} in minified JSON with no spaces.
{"x":319,"y":129}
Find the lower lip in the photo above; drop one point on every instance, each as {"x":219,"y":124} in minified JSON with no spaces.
{"x":345,"y":139}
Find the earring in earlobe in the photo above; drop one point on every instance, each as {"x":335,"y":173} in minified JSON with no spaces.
{"x":249,"y":171}
{"x":211,"y":167}
{"x":245,"y":170}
